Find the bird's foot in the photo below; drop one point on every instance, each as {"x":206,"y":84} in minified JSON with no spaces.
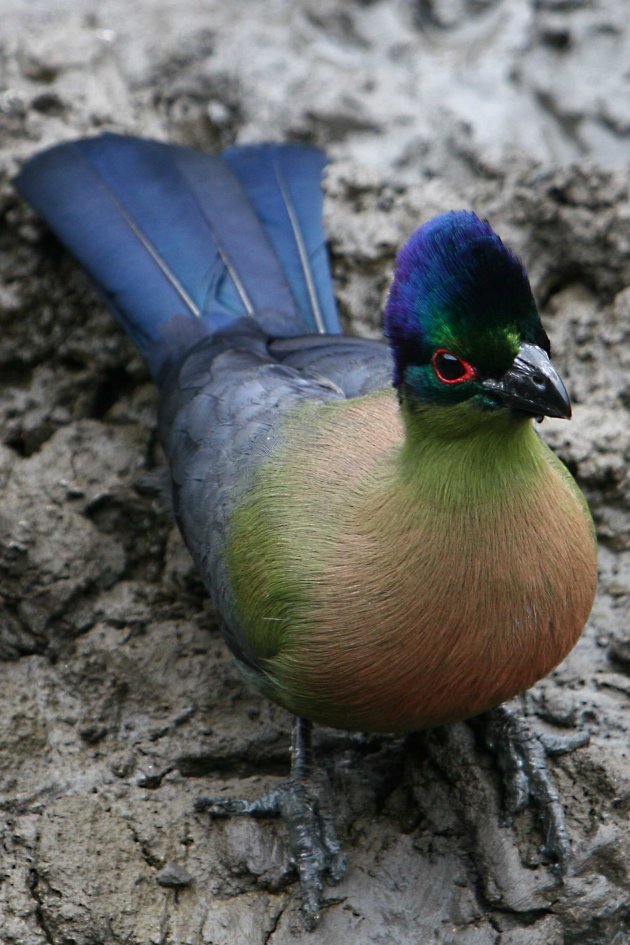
{"x":303,"y":802}
{"x":522,"y":756}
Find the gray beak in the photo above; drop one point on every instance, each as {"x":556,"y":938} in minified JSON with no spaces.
{"x":532,"y":385}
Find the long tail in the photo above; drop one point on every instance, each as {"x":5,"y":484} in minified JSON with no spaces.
{"x":166,"y":231}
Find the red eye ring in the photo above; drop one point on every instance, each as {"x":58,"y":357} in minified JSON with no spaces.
{"x":450,"y":360}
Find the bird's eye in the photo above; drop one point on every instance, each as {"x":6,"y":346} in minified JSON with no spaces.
{"x":450,"y":369}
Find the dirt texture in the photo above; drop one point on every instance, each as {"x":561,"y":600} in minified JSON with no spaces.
{"x":119,"y":704}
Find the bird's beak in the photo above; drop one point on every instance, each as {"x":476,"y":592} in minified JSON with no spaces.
{"x":532,"y":385}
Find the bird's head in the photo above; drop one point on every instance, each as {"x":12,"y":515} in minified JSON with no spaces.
{"x":463,"y":324}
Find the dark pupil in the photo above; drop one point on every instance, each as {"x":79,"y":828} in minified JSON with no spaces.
{"x":450,"y":367}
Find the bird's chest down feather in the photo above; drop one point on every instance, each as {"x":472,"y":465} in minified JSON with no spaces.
{"x":378,"y":602}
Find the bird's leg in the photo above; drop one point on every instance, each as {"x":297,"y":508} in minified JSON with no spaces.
{"x":522,"y":756}
{"x":303,"y":802}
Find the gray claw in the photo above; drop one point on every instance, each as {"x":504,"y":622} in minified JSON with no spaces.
{"x":522,"y":756}
{"x":302,"y":803}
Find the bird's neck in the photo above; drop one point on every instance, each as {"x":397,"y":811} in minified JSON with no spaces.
{"x":463,"y":456}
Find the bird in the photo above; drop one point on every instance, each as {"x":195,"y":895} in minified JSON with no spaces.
{"x":389,"y":543}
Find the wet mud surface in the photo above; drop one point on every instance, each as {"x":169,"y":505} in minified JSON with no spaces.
{"x":119,"y":704}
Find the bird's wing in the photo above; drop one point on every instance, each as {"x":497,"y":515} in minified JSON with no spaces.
{"x":356,"y":366}
{"x":221,"y":417}
{"x":222,"y":413}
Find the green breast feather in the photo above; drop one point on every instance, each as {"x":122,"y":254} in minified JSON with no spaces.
{"x":341,"y":554}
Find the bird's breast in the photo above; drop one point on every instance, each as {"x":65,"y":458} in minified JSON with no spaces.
{"x":387,"y":609}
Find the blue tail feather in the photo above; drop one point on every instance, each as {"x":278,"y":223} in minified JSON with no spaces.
{"x":279,"y":182}
{"x":166,"y":231}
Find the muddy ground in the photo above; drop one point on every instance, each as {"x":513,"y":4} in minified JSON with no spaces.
{"x":119,"y":703}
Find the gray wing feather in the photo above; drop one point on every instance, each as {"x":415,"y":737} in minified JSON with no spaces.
{"x":356,"y":365}
{"x":221,"y":414}
{"x":215,"y":437}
